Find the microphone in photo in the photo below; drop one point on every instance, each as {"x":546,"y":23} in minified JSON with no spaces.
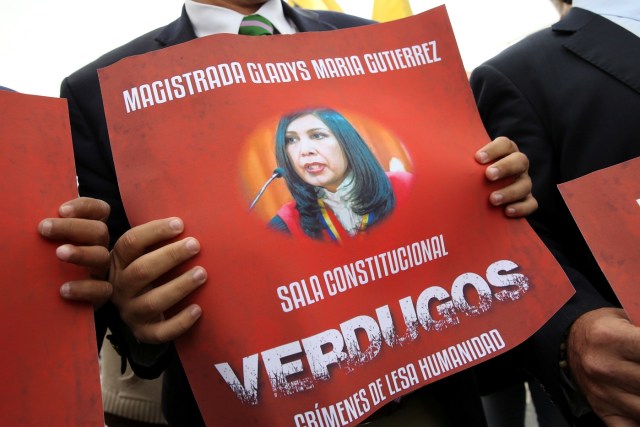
{"x":277,"y":173}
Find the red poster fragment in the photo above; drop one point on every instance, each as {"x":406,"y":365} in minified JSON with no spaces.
{"x":50,"y":374}
{"x":295,"y":328}
{"x":606,"y":206}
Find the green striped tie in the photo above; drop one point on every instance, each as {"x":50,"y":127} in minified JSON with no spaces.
{"x":255,"y":25}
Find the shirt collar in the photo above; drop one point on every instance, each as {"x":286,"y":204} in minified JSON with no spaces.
{"x":207,"y":19}
{"x":625,"y":13}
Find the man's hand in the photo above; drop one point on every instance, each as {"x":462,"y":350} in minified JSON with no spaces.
{"x":508,"y":162}
{"x":604,"y":357}
{"x":135,"y":267}
{"x":82,"y":227}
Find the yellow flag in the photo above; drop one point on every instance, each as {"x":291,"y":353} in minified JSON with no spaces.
{"x":333,"y":5}
{"x":388,"y":10}
{"x":317,"y":4}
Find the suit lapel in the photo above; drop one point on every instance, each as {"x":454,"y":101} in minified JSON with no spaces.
{"x":604,"y":44}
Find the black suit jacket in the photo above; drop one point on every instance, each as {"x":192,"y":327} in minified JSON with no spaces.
{"x":570,"y":98}
{"x":97,"y":178}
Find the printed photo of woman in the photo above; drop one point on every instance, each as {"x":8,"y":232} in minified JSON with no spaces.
{"x":339,"y":188}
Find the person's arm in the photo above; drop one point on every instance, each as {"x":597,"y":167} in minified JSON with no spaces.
{"x":591,"y":350}
{"x":141,"y":333}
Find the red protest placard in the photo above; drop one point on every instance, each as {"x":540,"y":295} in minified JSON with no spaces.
{"x":50,"y":373}
{"x":606,"y":206}
{"x":417,"y":278}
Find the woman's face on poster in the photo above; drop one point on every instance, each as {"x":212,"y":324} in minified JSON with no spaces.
{"x":315,"y":153}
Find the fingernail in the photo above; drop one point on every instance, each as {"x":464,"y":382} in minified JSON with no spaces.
{"x":493,"y":173}
{"x":176,"y":224}
{"x":65,"y":290}
{"x":497,"y":198}
{"x":195,"y":311}
{"x":45,"y":227}
{"x":66,"y":211}
{"x":199,"y":275}
{"x":510,"y":211}
{"x":482,"y":156}
{"x":63,"y":252}
{"x":192,"y":245}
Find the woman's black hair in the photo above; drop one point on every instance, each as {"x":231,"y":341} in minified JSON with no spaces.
{"x":372,"y":190}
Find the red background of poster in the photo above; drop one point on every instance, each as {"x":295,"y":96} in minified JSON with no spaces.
{"x":605,"y":206}
{"x":186,"y":158}
{"x":50,"y":374}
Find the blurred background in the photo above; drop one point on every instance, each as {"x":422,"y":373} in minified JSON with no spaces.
{"x":43,"y":41}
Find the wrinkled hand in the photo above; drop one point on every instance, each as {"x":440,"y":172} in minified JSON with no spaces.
{"x":508,"y":162}
{"x":604,"y":358}
{"x":135,"y":267}
{"x":82,"y":226}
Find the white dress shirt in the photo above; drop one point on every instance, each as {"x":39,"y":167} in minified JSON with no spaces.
{"x":207,"y":19}
{"x":625,"y":13}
